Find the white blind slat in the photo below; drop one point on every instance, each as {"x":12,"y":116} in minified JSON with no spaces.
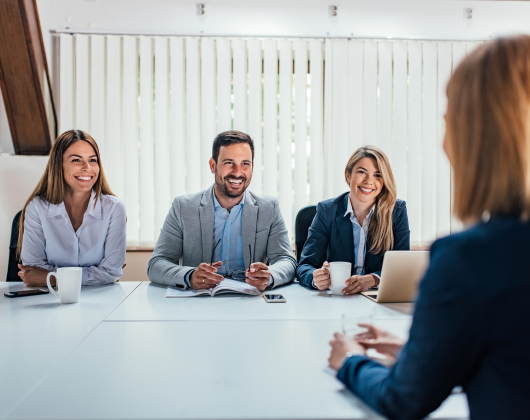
{"x":81,"y":82}
{"x":193,"y":116}
{"x":300,"y":101}
{"x":147,"y":169}
{"x":399,"y":98}
{"x":429,"y":147}
{"x":208,"y":114}
{"x":270,"y":119}
{"x":113,"y":146}
{"x":328,"y":113}
{"x":97,"y":91}
{"x":340,"y":147}
{"x":162,"y":173}
{"x":384,"y":105}
{"x":255,"y":109}
{"x":177,"y":149}
{"x":355,"y":94}
{"x":130,"y":138}
{"x":316,"y":173}
{"x":66,"y":86}
{"x":286,"y":132}
{"x":224,"y":85}
{"x":370,"y":94}
{"x":240,"y":85}
{"x":414,"y":159}
{"x":443,"y":188}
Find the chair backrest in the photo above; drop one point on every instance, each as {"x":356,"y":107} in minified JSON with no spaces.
{"x":12,"y":266}
{"x":304,"y":218}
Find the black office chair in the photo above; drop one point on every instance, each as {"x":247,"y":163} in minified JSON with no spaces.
{"x":12,"y":267}
{"x":304,"y":218}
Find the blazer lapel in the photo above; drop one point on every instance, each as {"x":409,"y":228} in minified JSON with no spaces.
{"x":206,"y":216}
{"x":249,"y":222}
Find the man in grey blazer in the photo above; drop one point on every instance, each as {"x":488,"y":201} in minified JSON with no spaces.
{"x":224,"y":231}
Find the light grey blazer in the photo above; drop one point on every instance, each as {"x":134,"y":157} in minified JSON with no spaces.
{"x":186,"y":239}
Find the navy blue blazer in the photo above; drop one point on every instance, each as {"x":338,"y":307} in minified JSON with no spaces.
{"x":330,"y":239}
{"x":471,"y":328}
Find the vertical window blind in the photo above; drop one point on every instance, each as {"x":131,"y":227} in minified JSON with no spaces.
{"x":154,"y":104}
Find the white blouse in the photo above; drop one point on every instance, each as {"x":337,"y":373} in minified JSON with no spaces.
{"x":98,"y":246}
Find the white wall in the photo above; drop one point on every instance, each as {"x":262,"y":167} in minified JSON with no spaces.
{"x":19,"y":176}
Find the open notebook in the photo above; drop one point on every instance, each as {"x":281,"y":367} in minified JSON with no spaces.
{"x":226,"y":286}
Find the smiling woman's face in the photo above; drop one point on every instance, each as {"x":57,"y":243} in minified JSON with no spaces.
{"x":365,"y":181}
{"x":80,"y":167}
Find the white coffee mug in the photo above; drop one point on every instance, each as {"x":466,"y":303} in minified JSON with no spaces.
{"x":68,"y":283}
{"x":339,"y":272}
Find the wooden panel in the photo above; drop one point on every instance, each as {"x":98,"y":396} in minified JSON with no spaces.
{"x":24,"y":77}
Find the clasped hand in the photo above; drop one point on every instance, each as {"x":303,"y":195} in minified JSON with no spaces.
{"x":34,"y":276}
{"x":374,"y":338}
{"x":354,"y":284}
{"x":205,"y":277}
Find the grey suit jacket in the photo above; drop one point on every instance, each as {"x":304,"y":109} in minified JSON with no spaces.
{"x":186,"y":239}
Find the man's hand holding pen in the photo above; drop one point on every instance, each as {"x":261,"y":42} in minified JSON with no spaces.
{"x":258,"y":275}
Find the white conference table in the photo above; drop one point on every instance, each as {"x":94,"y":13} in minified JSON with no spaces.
{"x":206,"y":358}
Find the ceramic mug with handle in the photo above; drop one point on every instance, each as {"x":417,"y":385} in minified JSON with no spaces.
{"x":339,"y":272}
{"x":68,"y":281}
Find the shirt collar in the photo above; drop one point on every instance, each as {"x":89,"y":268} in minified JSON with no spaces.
{"x":349,"y":211}
{"x":60,"y":209}
{"x":216,"y":203}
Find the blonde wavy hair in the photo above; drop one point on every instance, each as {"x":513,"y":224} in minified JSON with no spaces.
{"x":52,"y":185}
{"x":380,"y":229}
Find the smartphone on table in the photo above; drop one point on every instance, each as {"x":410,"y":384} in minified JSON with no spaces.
{"x":274,"y":298}
{"x":22,"y":293}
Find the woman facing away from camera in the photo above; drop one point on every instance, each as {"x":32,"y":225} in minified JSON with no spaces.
{"x":471,"y":324}
{"x":72,"y":218}
{"x":358,"y":226}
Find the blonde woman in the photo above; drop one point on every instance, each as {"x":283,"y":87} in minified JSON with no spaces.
{"x":358,"y":226}
{"x":72,"y":218}
{"x":471,"y":323}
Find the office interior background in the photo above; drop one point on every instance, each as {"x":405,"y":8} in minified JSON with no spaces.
{"x":153,"y":81}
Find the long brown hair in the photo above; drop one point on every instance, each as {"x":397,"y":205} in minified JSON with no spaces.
{"x":380,"y":229}
{"x":487,"y":133}
{"x":52,"y":185}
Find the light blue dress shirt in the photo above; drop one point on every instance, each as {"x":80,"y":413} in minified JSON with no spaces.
{"x":98,"y":246}
{"x":228,"y":232}
{"x":360,"y":234}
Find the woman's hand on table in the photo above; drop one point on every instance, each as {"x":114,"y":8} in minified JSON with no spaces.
{"x":321,"y":277}
{"x":357,"y":284}
{"x":384,"y":342}
{"x":34,"y":276}
{"x":340,"y":346}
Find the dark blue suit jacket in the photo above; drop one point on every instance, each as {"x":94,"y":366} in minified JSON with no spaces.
{"x":471,"y":327}
{"x":331,"y":239}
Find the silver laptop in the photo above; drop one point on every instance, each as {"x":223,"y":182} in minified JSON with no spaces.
{"x":401,"y":273}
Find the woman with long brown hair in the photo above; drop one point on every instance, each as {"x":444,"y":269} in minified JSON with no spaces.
{"x":358,"y":226}
{"x":471,"y":324}
{"x":72,"y":218}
